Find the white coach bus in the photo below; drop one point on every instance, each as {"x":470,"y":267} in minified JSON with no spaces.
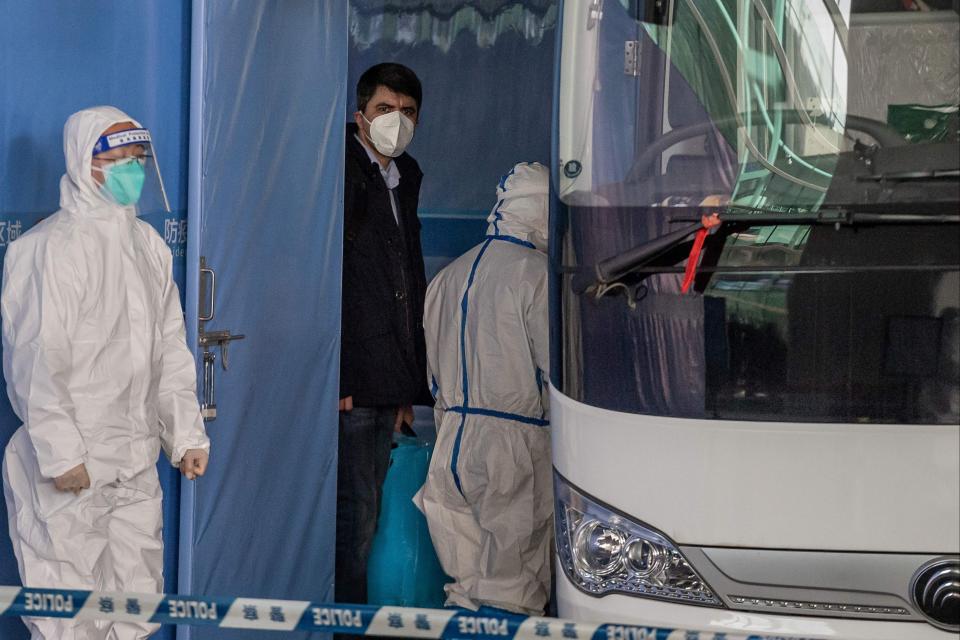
{"x":777,"y":450}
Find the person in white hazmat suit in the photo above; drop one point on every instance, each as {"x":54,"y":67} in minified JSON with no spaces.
{"x":98,"y":370}
{"x":488,"y":497}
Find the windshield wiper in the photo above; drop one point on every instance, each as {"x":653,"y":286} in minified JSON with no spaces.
{"x":906,"y":176}
{"x":610,"y":270}
{"x":826,"y":215}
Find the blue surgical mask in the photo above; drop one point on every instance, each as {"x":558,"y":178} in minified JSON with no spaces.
{"x":123,"y":181}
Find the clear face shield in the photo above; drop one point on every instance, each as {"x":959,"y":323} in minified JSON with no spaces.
{"x":125,"y":167}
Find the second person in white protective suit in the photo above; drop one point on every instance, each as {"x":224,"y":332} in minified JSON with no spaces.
{"x":98,"y":370}
{"x":488,"y":497}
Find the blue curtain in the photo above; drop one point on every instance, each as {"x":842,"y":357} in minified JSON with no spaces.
{"x":266,"y":211}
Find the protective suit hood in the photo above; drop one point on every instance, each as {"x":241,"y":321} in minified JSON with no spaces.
{"x":79,"y":192}
{"x":522,"y":205}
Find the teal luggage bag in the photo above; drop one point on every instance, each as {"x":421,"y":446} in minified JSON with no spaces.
{"x":403,"y":569}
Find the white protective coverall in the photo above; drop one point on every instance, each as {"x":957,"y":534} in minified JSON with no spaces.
{"x":488,"y":497}
{"x":98,"y":370}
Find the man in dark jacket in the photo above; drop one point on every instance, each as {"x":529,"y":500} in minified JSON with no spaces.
{"x":382,"y":353}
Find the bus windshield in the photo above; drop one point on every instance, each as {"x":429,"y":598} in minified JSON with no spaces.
{"x":828,"y":141}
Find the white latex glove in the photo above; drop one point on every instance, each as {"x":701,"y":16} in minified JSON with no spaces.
{"x":193,"y":464}
{"x":75,"y":480}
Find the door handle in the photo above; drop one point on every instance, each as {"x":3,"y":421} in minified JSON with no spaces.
{"x":221,"y":339}
{"x":209,"y":341}
{"x":204,"y":269}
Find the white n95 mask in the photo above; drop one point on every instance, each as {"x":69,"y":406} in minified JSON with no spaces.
{"x":391,"y":133}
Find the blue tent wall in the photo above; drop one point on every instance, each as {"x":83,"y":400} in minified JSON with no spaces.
{"x":487,"y":101}
{"x":57,"y":59}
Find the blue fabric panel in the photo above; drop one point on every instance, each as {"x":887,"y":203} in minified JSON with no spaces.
{"x":267,"y":145}
{"x":448,"y":233}
{"x":56,"y":59}
{"x":494,"y":101}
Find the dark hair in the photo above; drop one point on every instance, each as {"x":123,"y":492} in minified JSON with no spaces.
{"x":393,"y":76}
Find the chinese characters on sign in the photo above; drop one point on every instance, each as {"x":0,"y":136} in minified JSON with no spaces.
{"x":10,"y":230}
{"x":175,"y":235}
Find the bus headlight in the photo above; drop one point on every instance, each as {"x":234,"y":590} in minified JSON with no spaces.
{"x":602,"y":552}
{"x":598,"y":549}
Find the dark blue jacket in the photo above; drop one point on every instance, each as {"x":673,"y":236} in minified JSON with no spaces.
{"x":382,"y":350}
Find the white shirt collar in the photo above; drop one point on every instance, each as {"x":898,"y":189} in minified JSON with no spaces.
{"x":391,"y":175}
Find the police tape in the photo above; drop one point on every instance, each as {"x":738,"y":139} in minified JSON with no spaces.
{"x":300,"y":615}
